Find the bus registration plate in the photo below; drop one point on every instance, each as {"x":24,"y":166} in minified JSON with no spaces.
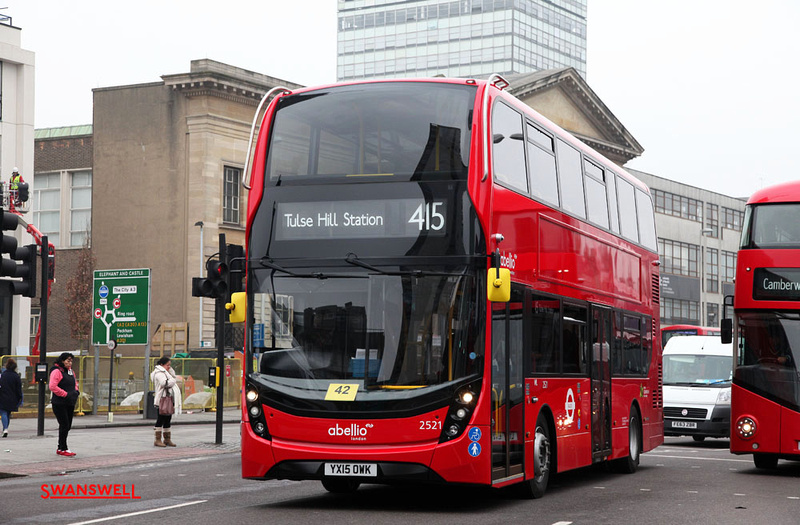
{"x":369,"y":470}
{"x":684,"y":424}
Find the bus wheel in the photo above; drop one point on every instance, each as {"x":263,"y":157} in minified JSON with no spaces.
{"x":766,"y":461}
{"x":628,"y":465}
{"x":699,"y":439}
{"x":340,"y":486}
{"x":542,"y":460}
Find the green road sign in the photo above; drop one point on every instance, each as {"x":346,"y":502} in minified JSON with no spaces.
{"x":120,"y":306}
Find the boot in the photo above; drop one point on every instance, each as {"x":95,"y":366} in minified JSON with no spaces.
{"x":158,"y":442}
{"x":167,"y":439}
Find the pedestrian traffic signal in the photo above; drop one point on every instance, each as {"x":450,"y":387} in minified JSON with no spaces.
{"x":215,"y":283}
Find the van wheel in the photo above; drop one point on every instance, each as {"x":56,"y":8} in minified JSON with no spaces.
{"x":766,"y":461}
{"x":699,"y":439}
{"x":628,"y":465}
{"x":340,"y":486}
{"x":542,"y":459}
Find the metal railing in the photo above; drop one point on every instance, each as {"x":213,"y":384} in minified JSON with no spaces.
{"x":128,"y":388}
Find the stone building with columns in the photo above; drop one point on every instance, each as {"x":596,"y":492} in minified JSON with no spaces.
{"x":169,"y":156}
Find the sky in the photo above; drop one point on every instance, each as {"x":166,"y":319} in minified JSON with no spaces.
{"x":707,"y":87}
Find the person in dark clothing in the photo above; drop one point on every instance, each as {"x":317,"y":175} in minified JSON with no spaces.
{"x":64,"y":386}
{"x":10,"y":393}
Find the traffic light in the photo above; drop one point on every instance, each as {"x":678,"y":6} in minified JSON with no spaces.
{"x":8,"y":268}
{"x":217,"y":275}
{"x":27,"y":255}
{"x":236,"y":268}
{"x":215,"y":283}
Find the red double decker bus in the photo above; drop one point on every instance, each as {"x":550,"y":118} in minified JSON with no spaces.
{"x":765,"y":396}
{"x":443,"y":287}
{"x":668,"y":332}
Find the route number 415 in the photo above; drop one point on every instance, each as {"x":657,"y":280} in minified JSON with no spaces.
{"x":428,"y":217}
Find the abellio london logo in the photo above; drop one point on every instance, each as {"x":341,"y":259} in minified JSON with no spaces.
{"x":354,"y":431}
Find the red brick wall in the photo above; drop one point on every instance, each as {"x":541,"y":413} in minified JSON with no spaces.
{"x":63,"y":154}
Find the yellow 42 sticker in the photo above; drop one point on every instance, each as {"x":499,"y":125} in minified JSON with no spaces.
{"x":341,"y":392}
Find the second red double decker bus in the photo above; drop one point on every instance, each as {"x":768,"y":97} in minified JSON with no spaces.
{"x":765,"y":396}
{"x":443,"y":287}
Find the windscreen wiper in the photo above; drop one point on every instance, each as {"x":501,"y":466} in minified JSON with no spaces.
{"x":264,"y":261}
{"x":267,"y":263}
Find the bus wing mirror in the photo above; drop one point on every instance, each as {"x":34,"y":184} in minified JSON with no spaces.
{"x":498,"y":285}
{"x":237,"y":307}
{"x":726,"y":330}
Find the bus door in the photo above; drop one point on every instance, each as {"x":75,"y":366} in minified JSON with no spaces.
{"x":508,"y":405}
{"x":601,"y":382}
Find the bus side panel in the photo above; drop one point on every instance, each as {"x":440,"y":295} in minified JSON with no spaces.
{"x":625,"y":394}
{"x":765,"y":413}
{"x":454,"y":462}
{"x":257,"y":456}
{"x":570,"y":402}
{"x":790,"y":432}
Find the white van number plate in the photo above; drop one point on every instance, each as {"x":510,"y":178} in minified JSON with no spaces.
{"x":369,"y":470}
{"x":684,"y":424}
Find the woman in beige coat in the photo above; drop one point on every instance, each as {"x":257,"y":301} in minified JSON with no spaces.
{"x":166,"y":385}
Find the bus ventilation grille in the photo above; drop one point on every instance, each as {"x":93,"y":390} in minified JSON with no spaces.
{"x":658,"y":399}
{"x":656,"y":289}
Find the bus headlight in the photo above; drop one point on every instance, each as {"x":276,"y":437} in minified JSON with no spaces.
{"x":746,"y":427}
{"x":466,"y":397}
{"x":255,"y":411}
{"x":461,"y":410}
{"x":252,"y":395}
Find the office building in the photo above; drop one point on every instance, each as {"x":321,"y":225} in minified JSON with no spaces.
{"x":464,"y":38}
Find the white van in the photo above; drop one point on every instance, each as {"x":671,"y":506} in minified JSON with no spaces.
{"x":697,"y":387}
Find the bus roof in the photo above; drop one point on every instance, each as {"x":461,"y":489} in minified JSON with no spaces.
{"x":553,"y":127}
{"x":786,"y":192}
{"x":698,"y":345}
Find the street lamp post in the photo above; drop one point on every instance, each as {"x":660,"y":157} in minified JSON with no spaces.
{"x":704,"y":234}
{"x":202,"y":269}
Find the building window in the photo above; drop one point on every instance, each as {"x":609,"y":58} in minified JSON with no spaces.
{"x":80,"y":210}
{"x":679,"y":258}
{"x":728,"y":266}
{"x":230,"y":195}
{"x":679,"y":311}
{"x":712,"y":314}
{"x":677,"y":205}
{"x":47,"y":205}
{"x":712,"y":270}
{"x":732,"y":219}
{"x":712,"y":219}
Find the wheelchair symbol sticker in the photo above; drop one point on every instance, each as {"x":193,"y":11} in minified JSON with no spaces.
{"x":474,"y":434}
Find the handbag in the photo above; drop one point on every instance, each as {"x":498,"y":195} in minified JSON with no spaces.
{"x":166,"y":405}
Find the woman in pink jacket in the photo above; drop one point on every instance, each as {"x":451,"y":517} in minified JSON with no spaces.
{"x":64,"y":386}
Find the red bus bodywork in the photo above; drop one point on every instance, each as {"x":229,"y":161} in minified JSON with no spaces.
{"x":765,"y":416}
{"x":672,"y":330}
{"x":551,"y":254}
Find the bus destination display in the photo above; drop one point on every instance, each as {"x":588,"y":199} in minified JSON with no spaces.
{"x":360,"y":219}
{"x":776,"y":284}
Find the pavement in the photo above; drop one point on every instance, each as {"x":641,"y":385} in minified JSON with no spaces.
{"x":100,"y":443}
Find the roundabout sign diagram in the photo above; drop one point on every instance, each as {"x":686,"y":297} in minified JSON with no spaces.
{"x":121,"y":305}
